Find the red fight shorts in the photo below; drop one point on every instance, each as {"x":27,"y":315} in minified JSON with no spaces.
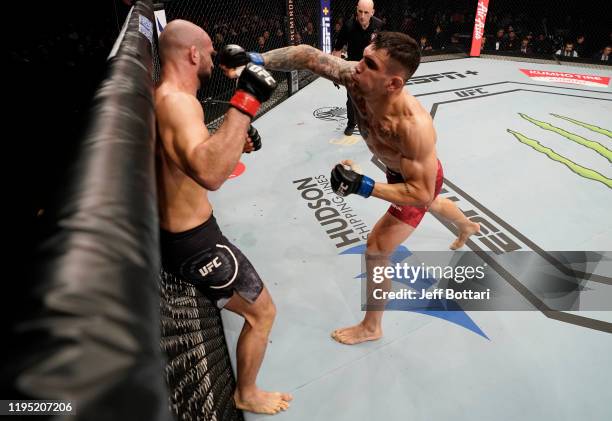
{"x":412,"y":215}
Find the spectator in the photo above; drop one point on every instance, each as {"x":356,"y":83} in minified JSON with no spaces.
{"x":604,"y":55}
{"x":438,"y":41}
{"x":499,"y":43}
{"x":484,"y":44}
{"x":568,"y":50}
{"x":232,"y":36}
{"x":525,"y":47}
{"x":278,"y":40}
{"x":512,"y":43}
{"x":424,"y":44}
{"x":542,"y":45}
{"x":580,"y":47}
{"x":455,"y":43}
{"x":309,"y":35}
{"x":261,"y":44}
{"x":218,"y":41}
{"x":336,"y":32}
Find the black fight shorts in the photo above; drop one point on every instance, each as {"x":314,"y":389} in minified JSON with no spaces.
{"x":206,"y":259}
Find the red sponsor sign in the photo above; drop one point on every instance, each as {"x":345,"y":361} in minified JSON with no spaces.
{"x":479,"y":25}
{"x":563,"y":77}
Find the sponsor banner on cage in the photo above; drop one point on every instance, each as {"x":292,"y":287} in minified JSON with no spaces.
{"x":479,"y":26}
{"x":160,"y":20}
{"x":563,"y":77}
{"x":325,"y":26}
{"x":291,"y":23}
{"x":145,"y":27}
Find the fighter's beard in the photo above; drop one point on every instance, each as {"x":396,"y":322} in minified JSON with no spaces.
{"x":204,"y":79}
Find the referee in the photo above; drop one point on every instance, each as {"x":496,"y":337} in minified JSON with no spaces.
{"x":357,"y":32}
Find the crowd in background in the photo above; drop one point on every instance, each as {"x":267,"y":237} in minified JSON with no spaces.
{"x":447,"y":29}
{"x":76,"y":45}
{"x":436,"y":29}
{"x":56,"y":60}
{"x":65,"y":57}
{"x":508,"y":38}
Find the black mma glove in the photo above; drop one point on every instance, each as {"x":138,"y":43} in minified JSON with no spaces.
{"x":345,"y":181}
{"x":255,"y":86}
{"x":255,"y":138}
{"x":232,"y":56}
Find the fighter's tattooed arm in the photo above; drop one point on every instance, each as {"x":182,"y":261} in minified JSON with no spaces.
{"x":305,"y":57}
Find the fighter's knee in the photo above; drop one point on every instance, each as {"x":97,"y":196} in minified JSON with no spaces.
{"x":373,"y":244}
{"x":376,"y":247}
{"x":269,"y":312}
{"x":436,"y":204}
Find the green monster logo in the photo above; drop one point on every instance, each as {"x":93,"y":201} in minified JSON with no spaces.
{"x":591,"y":144}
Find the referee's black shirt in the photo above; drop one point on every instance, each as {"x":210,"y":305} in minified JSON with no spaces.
{"x":356,"y":37}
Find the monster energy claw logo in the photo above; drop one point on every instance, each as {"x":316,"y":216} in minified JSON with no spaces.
{"x":580,"y":170}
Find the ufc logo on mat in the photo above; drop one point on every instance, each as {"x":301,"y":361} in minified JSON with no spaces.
{"x":209,"y":267}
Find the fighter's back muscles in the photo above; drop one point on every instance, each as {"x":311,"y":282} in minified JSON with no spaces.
{"x":209,"y":160}
{"x":305,"y":57}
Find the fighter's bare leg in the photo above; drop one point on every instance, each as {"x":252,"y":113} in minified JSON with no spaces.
{"x":258,"y":319}
{"x":447,"y":209}
{"x":388,"y":233}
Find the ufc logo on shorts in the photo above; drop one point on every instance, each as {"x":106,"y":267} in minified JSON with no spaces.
{"x":264,"y":73}
{"x":209,"y":267}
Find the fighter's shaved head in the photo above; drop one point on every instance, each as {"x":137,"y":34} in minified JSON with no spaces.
{"x":180,"y":35}
{"x":184,"y":46}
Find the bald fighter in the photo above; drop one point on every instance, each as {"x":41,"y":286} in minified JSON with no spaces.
{"x":356,"y":34}
{"x":190,"y":163}
{"x":400,"y":133}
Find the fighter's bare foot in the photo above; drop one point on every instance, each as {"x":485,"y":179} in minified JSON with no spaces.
{"x":261,"y":402}
{"x":466,"y":232}
{"x":356,"y":334}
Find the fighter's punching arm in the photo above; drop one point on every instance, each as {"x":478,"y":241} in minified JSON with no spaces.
{"x":305,"y":57}
{"x":209,"y":160}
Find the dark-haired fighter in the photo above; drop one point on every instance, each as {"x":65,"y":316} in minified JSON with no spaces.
{"x":399,"y":132}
